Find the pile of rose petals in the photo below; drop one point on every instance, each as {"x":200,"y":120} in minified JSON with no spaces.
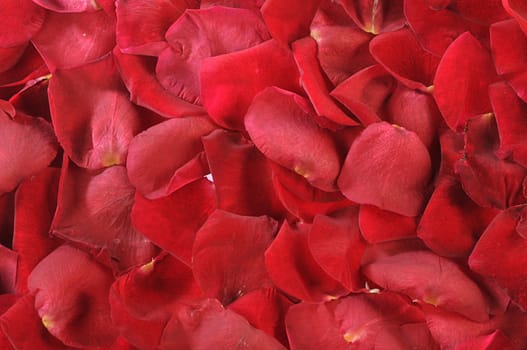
{"x":263,"y":174}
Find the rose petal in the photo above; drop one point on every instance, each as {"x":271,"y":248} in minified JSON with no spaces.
{"x":375,"y":16}
{"x":377,"y":225}
{"x":69,"y":5}
{"x":509,"y":47}
{"x":21,"y":19}
{"x":518,"y":10}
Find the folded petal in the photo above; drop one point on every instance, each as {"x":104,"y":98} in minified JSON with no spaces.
{"x":168,"y":156}
{"x":93,"y":118}
{"x":73,"y":303}
{"x":375,"y":16}
{"x":230,"y":82}
{"x":171,"y":222}
{"x":281,"y":125}
{"x":389,"y":167}
{"x":21,"y":19}
{"x":462,"y":79}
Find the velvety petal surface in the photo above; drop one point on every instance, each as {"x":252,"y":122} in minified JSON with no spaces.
{"x":375,"y":16}
{"x":21,"y":19}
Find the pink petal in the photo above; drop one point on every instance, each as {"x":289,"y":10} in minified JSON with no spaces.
{"x":94,"y":128}
{"x":142,"y":24}
{"x":375,"y":16}
{"x":199,"y":34}
{"x":462,"y":79}
{"x":73,"y":303}
{"x":230,"y":82}
{"x":495,"y":341}
{"x":156,"y":174}
{"x":281,"y":125}
{"x":100,"y":222}
{"x":69,"y":5}
{"x":377,"y":225}
{"x":389,"y":167}
{"x":228,"y":255}
{"x":21,"y":19}
{"x":171,"y":222}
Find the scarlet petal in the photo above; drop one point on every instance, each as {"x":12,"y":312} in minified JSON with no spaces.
{"x":462,"y":79}
{"x":69,"y":5}
{"x":199,"y":34}
{"x":377,"y":225}
{"x":432,"y":280}
{"x":400,"y":54}
{"x":230,"y":82}
{"x":281,"y":126}
{"x":138,"y":74}
{"x":228,"y":254}
{"x":389,"y":167}
{"x":8,"y":270}
{"x":93,"y":118}
{"x":156,"y":174}
{"x":9,"y":56}
{"x":293,"y":268}
{"x":495,"y":341}
{"x":72,"y":39}
{"x":337,"y":246}
{"x":518,"y":10}
{"x":289,"y":21}
{"x":21,"y":19}
{"x":27,"y":146}
{"x":376,"y":16}
{"x":141,"y":24}
{"x":100,"y":222}
{"x":171,"y":222}
{"x":73,"y":302}
{"x":509,"y":46}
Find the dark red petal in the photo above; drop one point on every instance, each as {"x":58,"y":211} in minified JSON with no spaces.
{"x":207,"y":325}
{"x":168,"y":156}
{"x":93,"y":211}
{"x":199,"y":34}
{"x":289,"y":21}
{"x":431,"y":279}
{"x":505,"y":233}
{"x":171,"y":222}
{"x":314,"y":84}
{"x":230,"y":82}
{"x":518,"y":10}
{"x":8,"y":270}
{"x":510,"y":114}
{"x":29,"y":66}
{"x":294,"y":270}
{"x":72,"y":39}
{"x":462,"y":79}
{"x":375,"y":16}
{"x":401,"y":55}
{"x":142,"y":24}
{"x":69,"y":5}
{"x":389,"y":167}
{"x":265,"y":309}
{"x":281,"y":125}
{"x":377,"y":225}
{"x":9,"y":56}
{"x":21,"y":19}
{"x":35,"y":204}
{"x":509,"y":47}
{"x":408,"y":336}
{"x":488,"y":180}
{"x":242,"y":175}
{"x":93,"y":118}
{"x":27,"y":146}
{"x":342,"y":50}
{"x":248,"y":4}
{"x":138,"y":74}
{"x":228,"y":255}
{"x":24,"y":329}
{"x":365,"y":93}
{"x":337,"y":246}
{"x":73,"y":303}
{"x":495,"y":341}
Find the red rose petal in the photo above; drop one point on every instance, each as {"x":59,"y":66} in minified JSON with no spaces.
{"x":69,"y":5}
{"x":9,"y":56}
{"x":93,"y":118}
{"x":242,"y":175}
{"x":431,"y":279}
{"x":365,"y":93}
{"x":509,"y":47}
{"x":375,"y":16}
{"x":142,"y":24}
{"x":27,"y":146}
{"x":8,"y":270}
{"x":73,"y":303}
{"x":29,"y":66}
{"x":21,"y":19}
{"x":138,"y":74}
{"x":199,"y":34}
{"x":230,"y":82}
{"x":462,"y":79}
{"x":156,"y":174}
{"x":377,"y":225}
{"x":248,"y":4}
{"x":401,"y":55}
{"x":100,"y":221}
{"x":171,"y":222}
{"x":314,"y":84}
{"x":495,"y":341}
{"x":289,"y":21}
{"x":228,"y":254}
{"x":518,"y":10}
{"x":293,"y":268}
{"x":389,"y":167}
{"x":280,"y":124}
{"x":337,"y":246}
{"x":72,"y":39}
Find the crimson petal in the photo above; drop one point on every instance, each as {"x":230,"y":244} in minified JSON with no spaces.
{"x":21,"y":19}
{"x":509,"y":47}
{"x":377,"y":225}
{"x":69,"y":5}
{"x":518,"y":10}
{"x":375,"y":16}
